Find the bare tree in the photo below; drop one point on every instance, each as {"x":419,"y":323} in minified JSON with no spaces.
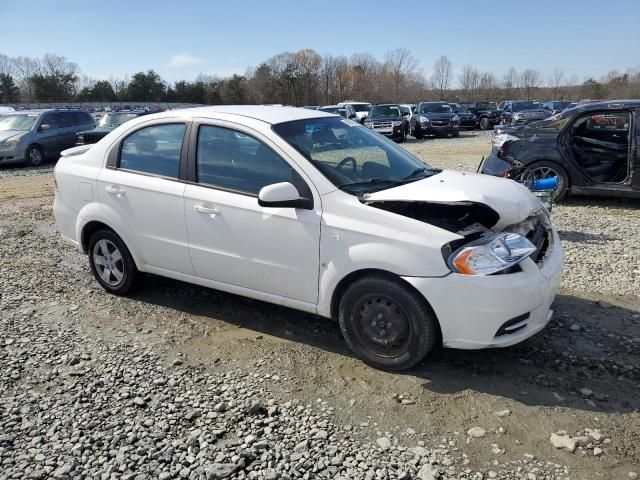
{"x":6,"y":65}
{"x":529,"y":80}
{"x":442,"y":75}
{"x":556,"y":81}
{"x":365,"y":67}
{"x":400,"y":65}
{"x":469,"y":79}
{"x":487,"y":85}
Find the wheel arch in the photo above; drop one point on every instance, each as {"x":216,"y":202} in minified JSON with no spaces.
{"x":351,"y":277}
{"x":92,"y":226}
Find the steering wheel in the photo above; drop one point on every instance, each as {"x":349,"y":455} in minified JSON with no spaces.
{"x":352,"y":161}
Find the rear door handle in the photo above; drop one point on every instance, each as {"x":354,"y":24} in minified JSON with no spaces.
{"x":206,"y":210}
{"x":113,"y":190}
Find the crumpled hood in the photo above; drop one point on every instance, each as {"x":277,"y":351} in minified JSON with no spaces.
{"x":512,"y":201}
{"x":4,"y":135}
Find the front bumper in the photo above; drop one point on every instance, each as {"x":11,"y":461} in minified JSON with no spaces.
{"x":429,"y":129}
{"x":11,"y":154}
{"x":393,"y":132}
{"x":496,"y":310}
{"x":493,"y":164}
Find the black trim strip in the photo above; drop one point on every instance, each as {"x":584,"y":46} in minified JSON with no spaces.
{"x":505,"y":330}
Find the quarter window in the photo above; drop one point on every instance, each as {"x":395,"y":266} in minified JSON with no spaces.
{"x":234,"y":161}
{"x":154,"y":150}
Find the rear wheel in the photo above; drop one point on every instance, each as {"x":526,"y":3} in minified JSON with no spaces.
{"x":545,"y":169}
{"x":111,"y":263}
{"x":34,"y":156}
{"x":387,"y":324}
{"x":417,"y":133}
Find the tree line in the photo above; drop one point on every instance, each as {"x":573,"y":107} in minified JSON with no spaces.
{"x":306,"y":78}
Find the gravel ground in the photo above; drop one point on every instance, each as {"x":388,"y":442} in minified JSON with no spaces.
{"x":179,"y":381}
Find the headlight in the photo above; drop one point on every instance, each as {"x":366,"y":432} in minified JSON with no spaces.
{"x":424,"y":119}
{"x":397,"y":124}
{"x":10,"y":142}
{"x":455,"y":118}
{"x":491,"y":255}
{"x":368,"y":124}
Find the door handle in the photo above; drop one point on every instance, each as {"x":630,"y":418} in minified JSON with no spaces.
{"x":115,"y":191}
{"x":207,"y":210}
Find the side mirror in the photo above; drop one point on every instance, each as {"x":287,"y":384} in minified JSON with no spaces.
{"x":352,"y":116}
{"x":283,"y":195}
{"x":43,"y":127}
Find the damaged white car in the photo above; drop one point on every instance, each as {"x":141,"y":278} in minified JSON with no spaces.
{"x":315,"y":212}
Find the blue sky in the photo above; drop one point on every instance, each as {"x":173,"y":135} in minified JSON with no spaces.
{"x":181,"y":39}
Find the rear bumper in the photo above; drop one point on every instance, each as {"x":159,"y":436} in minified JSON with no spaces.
{"x":496,"y":310}
{"x":493,"y":164}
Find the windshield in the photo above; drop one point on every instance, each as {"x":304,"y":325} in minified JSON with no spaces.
{"x":115,"y":119}
{"x":435,"y":108}
{"x":457,"y":108}
{"x":352,"y":157}
{"x":361,"y":107}
{"x":20,"y":122}
{"x":384,"y":111}
{"x":486,"y":106}
{"x":521,"y":106}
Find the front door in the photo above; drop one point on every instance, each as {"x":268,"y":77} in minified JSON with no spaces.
{"x":234,"y":240}
{"x":143,"y":196}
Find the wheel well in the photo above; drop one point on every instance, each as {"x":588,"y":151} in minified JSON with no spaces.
{"x":557,"y":164}
{"x":358,"y":274}
{"x":88,"y":230}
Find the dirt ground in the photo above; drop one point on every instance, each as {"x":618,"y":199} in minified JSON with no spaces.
{"x":582,"y":372}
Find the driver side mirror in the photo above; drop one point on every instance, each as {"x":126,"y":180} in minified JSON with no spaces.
{"x":352,"y":116}
{"x":283,"y":195}
{"x":43,"y":127}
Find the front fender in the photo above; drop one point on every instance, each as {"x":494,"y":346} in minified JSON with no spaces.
{"x":373,"y":256}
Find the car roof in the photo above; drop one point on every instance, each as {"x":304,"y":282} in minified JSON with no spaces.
{"x":266,"y":113}
{"x":628,"y":103}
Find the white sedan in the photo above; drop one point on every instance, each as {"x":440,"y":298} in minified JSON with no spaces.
{"x":316,"y":212}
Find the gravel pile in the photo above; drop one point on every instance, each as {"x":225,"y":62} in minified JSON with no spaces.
{"x":13,"y":171}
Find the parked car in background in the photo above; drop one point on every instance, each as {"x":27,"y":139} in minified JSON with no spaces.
{"x":312,"y":107}
{"x":407,"y":110}
{"x":108,"y":122}
{"x":434,"y":118}
{"x":523,"y":112}
{"x":388,"y":120}
{"x":33,"y":136}
{"x":346,"y":111}
{"x":556,"y":106}
{"x":309,"y":211}
{"x":591,"y":149}
{"x":6,"y":110}
{"x":487,"y":112}
{"x":467,"y":119}
{"x":361,"y":109}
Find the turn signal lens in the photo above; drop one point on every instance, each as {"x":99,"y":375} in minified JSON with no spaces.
{"x":492,"y":254}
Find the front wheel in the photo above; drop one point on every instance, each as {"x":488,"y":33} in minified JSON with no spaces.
{"x":387,"y":324}
{"x":456,"y":134}
{"x":545,"y":169}
{"x":484,"y":123}
{"x":111,"y":263}
{"x":34,"y":156}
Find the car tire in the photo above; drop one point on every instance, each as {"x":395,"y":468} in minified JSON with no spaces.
{"x":455,"y":134}
{"x":484,"y":123}
{"x":34,"y":156}
{"x":376,"y":311}
{"x":546,"y":169}
{"x":403,"y":137}
{"x":111,"y":263}
{"x":418,"y":134}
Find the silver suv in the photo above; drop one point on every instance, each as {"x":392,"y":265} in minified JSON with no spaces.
{"x":32,"y":136}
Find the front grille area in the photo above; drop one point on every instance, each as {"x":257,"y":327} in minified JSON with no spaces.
{"x":440,"y":123}
{"x":92,"y":137}
{"x":536,"y":229}
{"x":382,"y":125}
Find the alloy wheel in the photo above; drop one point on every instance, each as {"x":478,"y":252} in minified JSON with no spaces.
{"x":108,"y":262}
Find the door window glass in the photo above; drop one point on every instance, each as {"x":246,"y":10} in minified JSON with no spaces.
{"x":231,"y":160}
{"x":154,"y":150}
{"x":54,"y":120}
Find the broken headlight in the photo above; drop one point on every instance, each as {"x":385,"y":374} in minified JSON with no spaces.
{"x":491,"y":254}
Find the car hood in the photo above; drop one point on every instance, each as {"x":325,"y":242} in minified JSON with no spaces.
{"x":5,"y":134}
{"x":510,"y":200}
{"x":438,"y":116}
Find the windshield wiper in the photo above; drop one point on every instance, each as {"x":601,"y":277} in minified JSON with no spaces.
{"x":371,"y":181}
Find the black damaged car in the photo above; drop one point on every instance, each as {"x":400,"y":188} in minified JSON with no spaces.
{"x":592,"y":149}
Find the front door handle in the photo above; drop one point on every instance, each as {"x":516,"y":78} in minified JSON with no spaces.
{"x":113,"y":190}
{"x":207,"y":210}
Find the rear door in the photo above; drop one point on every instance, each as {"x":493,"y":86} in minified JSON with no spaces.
{"x":50,"y":131}
{"x":141,"y":191}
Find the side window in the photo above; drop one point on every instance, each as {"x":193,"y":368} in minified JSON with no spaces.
{"x":67,"y":119}
{"x":231,"y":160}
{"x":81,"y":118}
{"x":155,"y":150}
{"x":53,"y":120}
